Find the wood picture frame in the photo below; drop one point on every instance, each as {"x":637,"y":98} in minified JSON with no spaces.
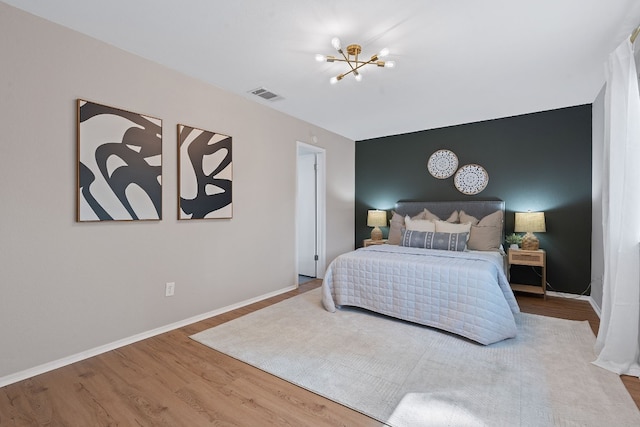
{"x":119,"y":167}
{"x":205,"y":174}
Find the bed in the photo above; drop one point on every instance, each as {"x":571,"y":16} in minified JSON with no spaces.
{"x":460,"y":287}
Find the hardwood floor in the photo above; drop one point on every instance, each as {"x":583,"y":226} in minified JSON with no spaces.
{"x":171,"y":380}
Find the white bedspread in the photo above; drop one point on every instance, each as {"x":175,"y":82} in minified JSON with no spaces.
{"x":466,"y":293}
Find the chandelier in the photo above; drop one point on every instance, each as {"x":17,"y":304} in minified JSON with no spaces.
{"x":351,"y":58}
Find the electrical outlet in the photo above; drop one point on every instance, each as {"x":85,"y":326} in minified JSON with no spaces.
{"x":169,"y":289}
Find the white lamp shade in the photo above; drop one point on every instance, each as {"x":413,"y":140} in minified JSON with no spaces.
{"x":376,"y":218}
{"x":530,"y":222}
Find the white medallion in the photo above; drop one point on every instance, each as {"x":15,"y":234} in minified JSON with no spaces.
{"x":471,"y":179}
{"x":442,"y":164}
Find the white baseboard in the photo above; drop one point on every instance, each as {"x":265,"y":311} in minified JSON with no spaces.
{"x":50,"y":366}
{"x":578,"y":297}
{"x":595,"y":307}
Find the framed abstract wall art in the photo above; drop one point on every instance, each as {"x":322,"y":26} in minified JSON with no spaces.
{"x":205,"y":174}
{"x":119,"y":164}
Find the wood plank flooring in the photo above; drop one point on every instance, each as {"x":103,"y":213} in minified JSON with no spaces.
{"x":171,"y":380}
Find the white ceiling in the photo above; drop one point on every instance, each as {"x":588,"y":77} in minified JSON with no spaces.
{"x":457,"y":61}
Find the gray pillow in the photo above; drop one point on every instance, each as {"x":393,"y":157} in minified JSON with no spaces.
{"x":396,"y":225}
{"x":434,"y":240}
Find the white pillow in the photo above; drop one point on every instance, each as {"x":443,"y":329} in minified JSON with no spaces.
{"x":447,"y":227}
{"x":395,"y":227}
{"x":419,"y":224}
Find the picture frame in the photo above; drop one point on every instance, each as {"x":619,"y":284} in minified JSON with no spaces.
{"x":119,"y":164}
{"x":205,"y":174}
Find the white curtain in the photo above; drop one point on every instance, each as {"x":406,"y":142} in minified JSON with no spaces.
{"x":618,"y":342}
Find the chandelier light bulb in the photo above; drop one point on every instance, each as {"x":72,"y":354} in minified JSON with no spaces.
{"x":351,"y":57}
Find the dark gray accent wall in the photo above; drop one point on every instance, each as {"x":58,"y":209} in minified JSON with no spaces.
{"x":537,"y":162}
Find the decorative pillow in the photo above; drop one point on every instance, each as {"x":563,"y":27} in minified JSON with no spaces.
{"x":487,"y":235}
{"x":492,"y":220}
{"x":434,"y":240}
{"x":452,"y":218}
{"x":447,"y":227}
{"x":484,"y":238}
{"x":464,"y":217}
{"x":395,"y":227}
{"x":429,"y":215}
{"x":419,"y":224}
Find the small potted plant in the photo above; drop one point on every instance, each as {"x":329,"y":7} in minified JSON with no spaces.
{"x":513,"y":240}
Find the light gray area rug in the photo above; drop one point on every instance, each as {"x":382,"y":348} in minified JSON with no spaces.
{"x":409,"y":375}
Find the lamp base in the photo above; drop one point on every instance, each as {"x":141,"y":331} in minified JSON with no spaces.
{"x":376,"y":233}
{"x":530,"y":242}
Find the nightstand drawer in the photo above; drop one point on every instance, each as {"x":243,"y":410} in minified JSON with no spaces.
{"x":522,"y":257}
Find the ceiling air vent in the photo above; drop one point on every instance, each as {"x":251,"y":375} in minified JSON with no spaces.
{"x":265,"y":94}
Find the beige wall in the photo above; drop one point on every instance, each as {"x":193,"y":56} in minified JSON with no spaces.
{"x":70,"y":287}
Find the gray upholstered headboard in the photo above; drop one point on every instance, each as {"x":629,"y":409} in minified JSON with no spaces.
{"x":476,"y":208}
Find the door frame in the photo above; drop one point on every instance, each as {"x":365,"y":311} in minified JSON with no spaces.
{"x":303,"y":148}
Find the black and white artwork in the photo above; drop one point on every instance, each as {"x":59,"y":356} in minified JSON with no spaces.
{"x":119,"y":164}
{"x":205,"y":174}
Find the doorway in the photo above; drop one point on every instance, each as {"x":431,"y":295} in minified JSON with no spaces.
{"x":310,"y":212}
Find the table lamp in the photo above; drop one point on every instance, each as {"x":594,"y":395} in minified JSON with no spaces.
{"x":530,"y":222}
{"x":376,"y":219}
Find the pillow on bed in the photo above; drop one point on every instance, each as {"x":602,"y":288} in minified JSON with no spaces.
{"x":419,"y":224}
{"x":429,"y":215}
{"x":487,"y":234}
{"x":395,"y":227}
{"x":465,"y":217}
{"x":434,"y":240}
{"x":492,"y":220}
{"x":447,"y":227}
{"x":397,"y":222}
{"x":452,"y":218}
{"x":484,"y":238}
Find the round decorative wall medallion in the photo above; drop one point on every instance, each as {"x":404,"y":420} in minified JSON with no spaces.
{"x":471,"y":179}
{"x":442,"y":164}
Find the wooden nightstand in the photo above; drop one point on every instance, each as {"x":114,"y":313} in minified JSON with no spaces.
{"x":369,"y":242}
{"x":537,"y":258}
